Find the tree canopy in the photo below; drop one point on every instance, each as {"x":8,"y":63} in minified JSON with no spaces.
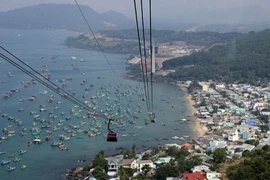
{"x":219,"y":155}
{"x":246,"y":59}
{"x":256,"y":165}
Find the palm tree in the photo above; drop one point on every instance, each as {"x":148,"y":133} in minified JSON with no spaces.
{"x":146,"y":168}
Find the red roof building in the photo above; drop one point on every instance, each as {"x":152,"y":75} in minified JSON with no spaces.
{"x":194,"y":176}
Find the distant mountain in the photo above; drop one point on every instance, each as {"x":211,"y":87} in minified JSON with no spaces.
{"x":62,"y":16}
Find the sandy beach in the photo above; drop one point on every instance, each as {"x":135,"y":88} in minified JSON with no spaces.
{"x":198,"y":129}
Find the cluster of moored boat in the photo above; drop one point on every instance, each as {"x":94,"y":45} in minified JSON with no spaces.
{"x":9,"y":93}
{"x":12,"y":158}
{"x":50,"y":122}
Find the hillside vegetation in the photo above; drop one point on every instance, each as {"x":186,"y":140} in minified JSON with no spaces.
{"x":126,"y":42}
{"x":205,"y":38}
{"x":246,"y":59}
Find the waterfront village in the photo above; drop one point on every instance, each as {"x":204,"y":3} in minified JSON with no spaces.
{"x":236,"y":117}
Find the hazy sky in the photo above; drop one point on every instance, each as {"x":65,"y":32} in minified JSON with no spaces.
{"x":160,"y":7}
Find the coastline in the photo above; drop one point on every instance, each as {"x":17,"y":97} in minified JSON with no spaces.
{"x":198,"y":129}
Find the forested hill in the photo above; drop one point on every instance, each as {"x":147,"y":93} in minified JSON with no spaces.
{"x":62,"y":16}
{"x":204,"y":38}
{"x":247,"y":59}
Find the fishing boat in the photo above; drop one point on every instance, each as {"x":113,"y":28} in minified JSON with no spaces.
{"x":64,"y":148}
{"x":63,"y":137}
{"x":5,"y":162}
{"x":11,"y":168}
{"x":37,"y":141}
{"x":1,"y":152}
{"x":182,"y":138}
{"x":20,"y":109}
{"x":22,"y":151}
{"x":183,"y":119}
{"x":56,"y":144}
{"x":4,"y":115}
{"x":175,"y":137}
{"x":23,"y":166}
{"x":29,"y":143}
{"x":17,"y":159}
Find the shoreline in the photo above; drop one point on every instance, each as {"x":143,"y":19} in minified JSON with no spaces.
{"x":198,"y":129}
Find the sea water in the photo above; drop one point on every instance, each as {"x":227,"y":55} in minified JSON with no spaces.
{"x":40,"y":48}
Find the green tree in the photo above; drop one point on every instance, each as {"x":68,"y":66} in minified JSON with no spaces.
{"x":266,"y":147}
{"x":256,"y":168}
{"x":246,"y":153}
{"x":146,"y":168}
{"x":166,"y":171}
{"x":122,"y":173}
{"x":100,"y":174}
{"x":172,"y":151}
{"x":220,"y":155}
{"x":186,"y":164}
{"x":264,"y":118}
{"x":100,"y":160}
{"x":128,"y":154}
{"x":264,"y":128}
{"x":182,"y":153}
{"x":252,"y":142}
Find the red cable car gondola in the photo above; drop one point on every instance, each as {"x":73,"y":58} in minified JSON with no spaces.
{"x":111,"y":135}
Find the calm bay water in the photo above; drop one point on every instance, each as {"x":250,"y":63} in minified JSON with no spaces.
{"x":46,"y":47}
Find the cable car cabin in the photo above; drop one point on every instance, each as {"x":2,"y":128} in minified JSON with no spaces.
{"x":112,"y":136}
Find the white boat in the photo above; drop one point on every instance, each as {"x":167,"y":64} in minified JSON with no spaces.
{"x":73,"y":57}
{"x":175,"y":137}
{"x":10,"y":168}
{"x":182,"y":138}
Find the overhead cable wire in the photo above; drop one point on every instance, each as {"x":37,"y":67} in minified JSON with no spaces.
{"x":93,"y":34}
{"x":140,"y":50}
{"x":145,"y":63}
{"x":56,"y":88}
{"x":55,"y":85}
{"x":151,"y":55}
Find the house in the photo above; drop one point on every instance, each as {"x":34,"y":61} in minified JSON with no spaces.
{"x":113,"y":164}
{"x":253,"y":122}
{"x":194,"y":176}
{"x":200,"y":168}
{"x":265,"y":111}
{"x":216,"y":144}
{"x":220,"y":85}
{"x":239,"y":111}
{"x":112,"y":168}
{"x":129,"y":163}
{"x":213,"y":176}
{"x":233,"y":135}
{"x":142,"y":163}
{"x":258,"y":105}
